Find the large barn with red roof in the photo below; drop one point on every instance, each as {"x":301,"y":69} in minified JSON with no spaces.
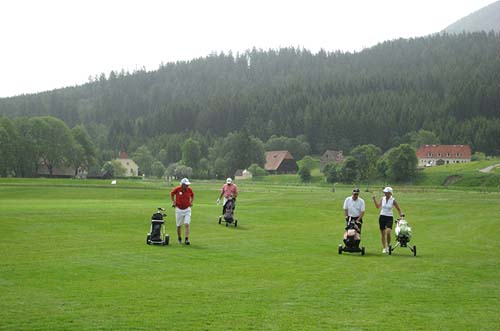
{"x":280,"y":162}
{"x":431,"y":155}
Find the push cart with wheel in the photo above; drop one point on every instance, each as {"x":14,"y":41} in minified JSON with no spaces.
{"x":403,"y":235}
{"x":352,"y":238}
{"x":157,"y":234}
{"x":228,"y":216}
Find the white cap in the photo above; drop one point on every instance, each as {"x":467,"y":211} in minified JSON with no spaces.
{"x":185,"y":181}
{"x":388,"y":189}
{"x":229,"y":180}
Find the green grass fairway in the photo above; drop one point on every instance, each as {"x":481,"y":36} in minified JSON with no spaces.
{"x":74,"y":257}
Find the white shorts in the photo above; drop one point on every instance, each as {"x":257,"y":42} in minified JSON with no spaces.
{"x":182,"y":216}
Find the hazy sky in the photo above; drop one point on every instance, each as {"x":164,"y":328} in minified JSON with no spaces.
{"x":55,"y":43}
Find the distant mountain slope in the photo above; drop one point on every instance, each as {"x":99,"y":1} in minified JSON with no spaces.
{"x":485,"y":19}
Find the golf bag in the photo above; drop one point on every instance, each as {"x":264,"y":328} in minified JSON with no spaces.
{"x":352,"y":237}
{"x":156,"y":225}
{"x":228,"y":213}
{"x":229,"y":210}
{"x":157,"y":235}
{"x":402,"y":232}
{"x":403,"y":235}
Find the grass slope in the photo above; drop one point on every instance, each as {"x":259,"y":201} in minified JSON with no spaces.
{"x":463,"y":176}
{"x":74,"y":257}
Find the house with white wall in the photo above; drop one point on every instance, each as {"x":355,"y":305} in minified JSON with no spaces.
{"x":432,"y":155}
{"x":131,"y":168}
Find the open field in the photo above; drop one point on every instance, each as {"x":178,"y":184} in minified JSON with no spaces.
{"x":73,"y":257}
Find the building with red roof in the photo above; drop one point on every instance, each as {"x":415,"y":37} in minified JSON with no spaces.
{"x":280,"y":162}
{"x":431,"y":155}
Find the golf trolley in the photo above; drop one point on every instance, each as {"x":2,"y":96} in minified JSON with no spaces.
{"x":228,"y":216}
{"x":352,"y":238}
{"x":157,"y":235}
{"x":403,"y":236}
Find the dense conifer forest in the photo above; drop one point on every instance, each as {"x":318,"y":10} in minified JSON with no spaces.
{"x":445,"y":84}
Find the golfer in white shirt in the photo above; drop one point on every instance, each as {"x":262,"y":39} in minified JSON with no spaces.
{"x":354,"y":208}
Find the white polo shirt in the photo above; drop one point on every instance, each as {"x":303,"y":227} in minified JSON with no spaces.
{"x":354,"y":207}
{"x":387,"y":205}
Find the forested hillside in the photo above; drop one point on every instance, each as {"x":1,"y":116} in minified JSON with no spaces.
{"x":446,"y":84}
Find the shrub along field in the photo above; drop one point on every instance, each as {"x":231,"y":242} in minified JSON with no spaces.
{"x":74,"y":256}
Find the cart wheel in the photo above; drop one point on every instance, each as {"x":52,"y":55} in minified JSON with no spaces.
{"x":363,"y":250}
{"x":148,"y":239}
{"x":414,"y":250}
{"x":220,"y":220}
{"x":235,"y":223}
{"x":390,"y":250}
{"x":340,"y":249}
{"x":167,"y":240}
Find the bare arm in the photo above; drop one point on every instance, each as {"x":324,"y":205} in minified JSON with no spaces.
{"x":399,"y":209}
{"x":220,"y":195}
{"x":377,"y":205}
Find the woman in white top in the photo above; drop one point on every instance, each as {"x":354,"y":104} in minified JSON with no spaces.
{"x":386,"y":219}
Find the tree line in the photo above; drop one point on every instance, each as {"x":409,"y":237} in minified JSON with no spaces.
{"x":27,"y":144}
{"x":367,"y":162}
{"x":31,"y":143}
{"x":444,"y":84}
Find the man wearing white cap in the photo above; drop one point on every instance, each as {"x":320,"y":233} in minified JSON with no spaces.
{"x":354,"y":208}
{"x":182,"y":199}
{"x":386,"y":218}
{"x":228,"y":191}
